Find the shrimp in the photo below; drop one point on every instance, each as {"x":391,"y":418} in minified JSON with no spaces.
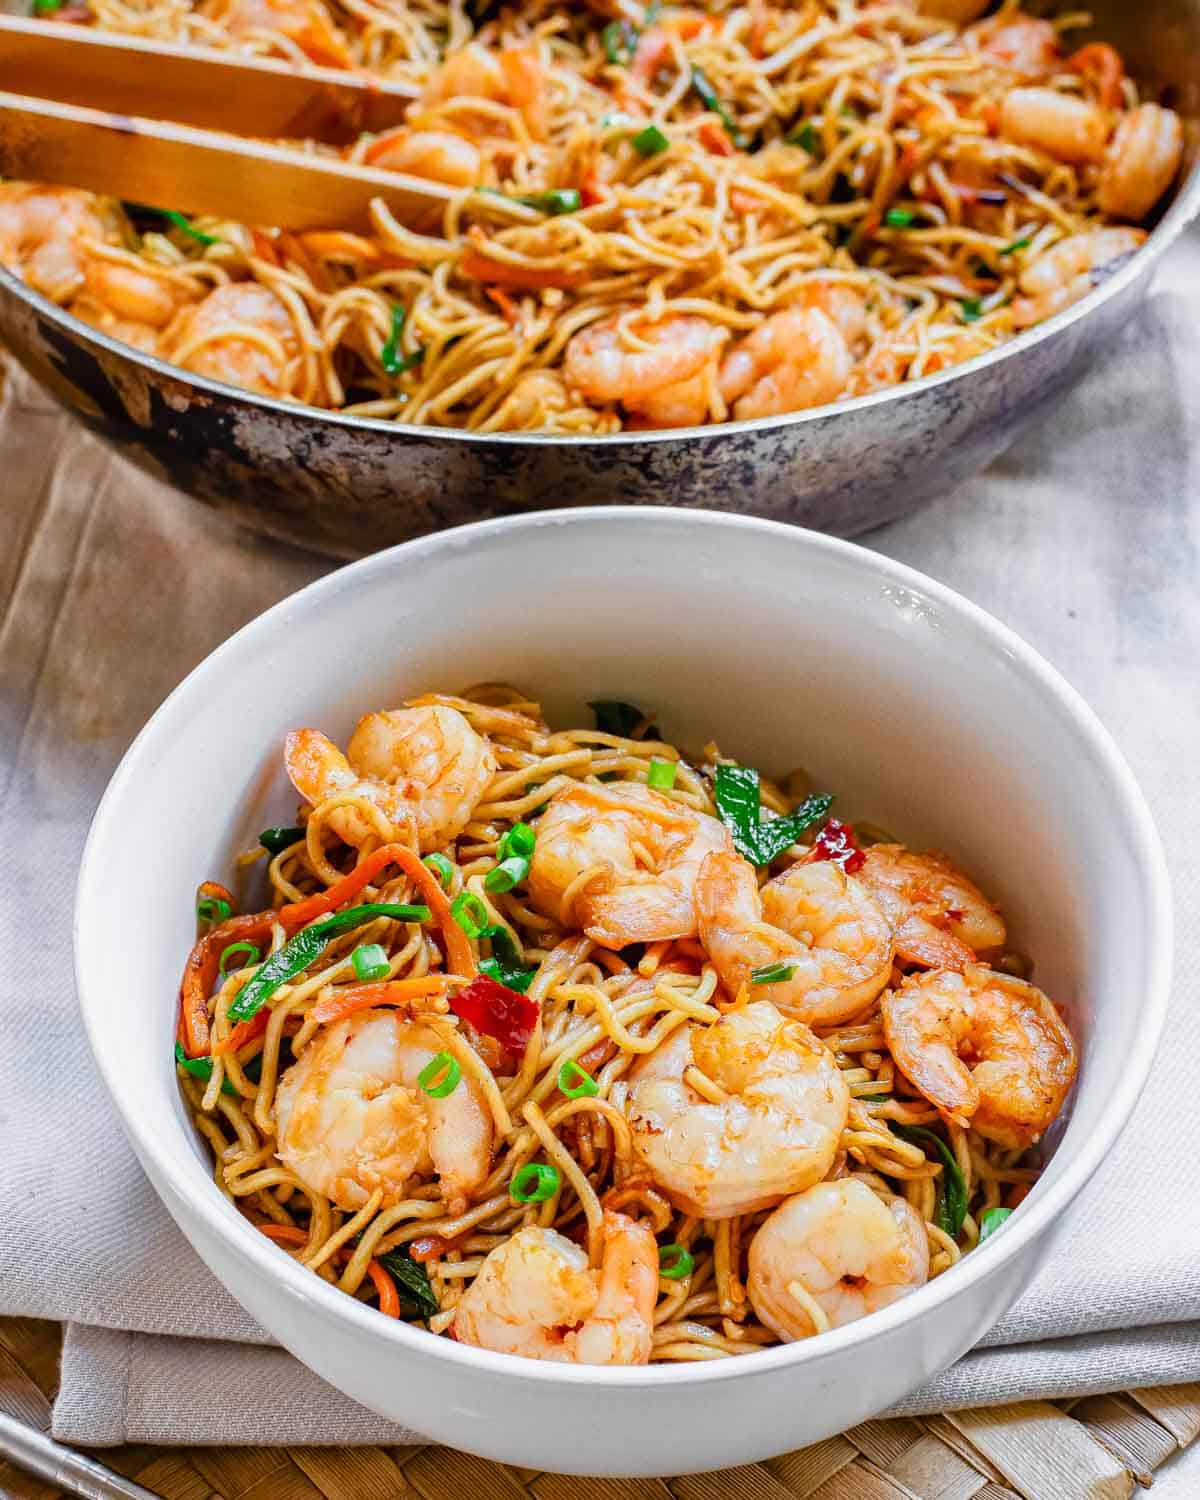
{"x":307,"y":23}
{"x":940,"y":918}
{"x":841,"y":304}
{"x":1141,"y":161}
{"x":42,"y":235}
{"x":780,"y":1112}
{"x":1063,"y":125}
{"x":795,"y":359}
{"x":667,"y":380}
{"x":240,"y":333}
{"x":988,"y":1050}
{"x":832,"y":1255}
{"x":352,"y":1118}
{"x":643,"y":851}
{"x":815,"y":919}
{"x":513,"y":76}
{"x":440,"y":155}
{"x":1027,"y":46}
{"x":536,"y":1295}
{"x":425,"y":764}
{"x":1070,"y":270}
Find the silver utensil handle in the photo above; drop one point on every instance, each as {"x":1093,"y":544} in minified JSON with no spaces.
{"x":38,"y":1454}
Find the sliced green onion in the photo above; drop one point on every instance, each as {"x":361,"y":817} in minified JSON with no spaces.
{"x":470,"y":913}
{"x":1022,"y":244}
{"x":871,"y":1098}
{"x":971,"y":309}
{"x":736,"y":793}
{"x":441,"y":867}
{"x":214,"y":909}
{"x":575,"y":1082}
{"x":951,"y":1207}
{"x":307,"y":946}
{"x":200,"y":1067}
{"x":651,"y":141}
{"x":248,"y":948}
{"x":370,"y":961}
{"x":619,"y":39}
{"x":708,"y":97}
{"x":805,"y":137}
{"x":508,"y":873}
{"x":182,"y":223}
{"x":410,"y":361}
{"x":899,"y":218}
{"x":440,"y":1076}
{"x":389,"y":355}
{"x":772,"y":973}
{"x":520,"y":839}
{"x":556,"y":201}
{"x":535,"y":1182}
{"x":661,"y":774}
{"x":675,"y":1263}
{"x":46,"y":7}
{"x":276,"y":840}
{"x":991,"y":1221}
{"x":513,"y":976}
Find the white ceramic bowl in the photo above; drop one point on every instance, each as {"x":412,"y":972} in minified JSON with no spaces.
{"x":920,"y":710}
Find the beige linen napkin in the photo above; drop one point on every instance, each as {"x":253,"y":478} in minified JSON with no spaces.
{"x":1083,"y":538}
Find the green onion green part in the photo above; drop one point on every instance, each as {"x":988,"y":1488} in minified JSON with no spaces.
{"x":675,"y":1263}
{"x":417,"y":1299}
{"x":619,"y":39}
{"x":805,"y":137}
{"x":441,"y":867}
{"x":440,"y":1075}
{"x":508,"y":873}
{"x":188,"y":228}
{"x":370,"y":961}
{"x":951,"y":1207}
{"x":661,"y":774}
{"x":307,"y":946}
{"x":971,"y":308}
{"x":513,"y":976}
{"x":470,"y":913}
{"x":650,"y":142}
{"x":708,"y":97}
{"x":276,"y":840}
{"x":535,"y":1182}
{"x":1022,"y":244}
{"x":234,"y":948}
{"x":214,"y":909}
{"x":556,"y":201}
{"x":389,"y":355}
{"x":772,"y":973}
{"x":991,"y":1221}
{"x":200,"y":1067}
{"x":46,"y":7}
{"x":575,"y":1082}
{"x":520,"y":839}
{"x":736,"y":793}
{"x":899,"y":218}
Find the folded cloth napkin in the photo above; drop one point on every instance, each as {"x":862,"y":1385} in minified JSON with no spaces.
{"x":1082,"y":537}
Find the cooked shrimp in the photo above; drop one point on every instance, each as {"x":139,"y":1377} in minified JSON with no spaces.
{"x":1070,"y":270}
{"x":1026,"y":46}
{"x":307,"y":23}
{"x":512,"y":76}
{"x":939,"y":917}
{"x":665,"y":380}
{"x":1063,"y":125}
{"x":43,"y":231}
{"x":795,"y":359}
{"x":425,"y":764}
{"x":439,"y":155}
{"x":1141,"y":162}
{"x":832,"y":1255}
{"x":644,"y":852}
{"x":775,"y":1130}
{"x":841,"y":304}
{"x":536,"y":1295}
{"x":988,"y":1050}
{"x":352,"y":1118}
{"x":817,"y":920}
{"x":240,"y":333}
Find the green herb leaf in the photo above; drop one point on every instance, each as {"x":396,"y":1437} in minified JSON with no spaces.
{"x":276,"y":840}
{"x":556,"y":201}
{"x":389,"y":355}
{"x":615,"y":717}
{"x":441,"y":867}
{"x":651,"y":141}
{"x":307,"y":946}
{"x":991,"y":1221}
{"x":772,"y":973}
{"x":805,"y":137}
{"x":971,"y":308}
{"x":708,"y":97}
{"x":512,"y":976}
{"x":736,"y":793}
{"x":200,"y":1067}
{"x":951,"y":1207}
{"x":412,"y":1281}
{"x":1022,"y":244}
{"x":899,"y":218}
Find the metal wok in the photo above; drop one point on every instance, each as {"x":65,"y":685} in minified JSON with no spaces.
{"x":349,"y":485}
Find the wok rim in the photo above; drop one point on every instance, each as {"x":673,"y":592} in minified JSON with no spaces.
{"x":1183,"y":208}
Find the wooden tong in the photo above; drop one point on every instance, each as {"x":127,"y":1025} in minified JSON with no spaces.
{"x":73,"y":123}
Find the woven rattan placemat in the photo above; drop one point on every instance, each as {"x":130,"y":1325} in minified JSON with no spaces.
{"x":1097,"y":1448}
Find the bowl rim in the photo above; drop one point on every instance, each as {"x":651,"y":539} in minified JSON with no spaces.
{"x":181,"y":1173}
{"x":1180,"y":211}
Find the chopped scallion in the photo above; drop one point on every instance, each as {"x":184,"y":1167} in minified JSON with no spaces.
{"x":805,"y":138}
{"x":556,"y":201}
{"x":235,"y":948}
{"x":575,"y":1082}
{"x":971,"y":309}
{"x":520,"y":839}
{"x":276,"y":840}
{"x":370,"y":961}
{"x":187,"y":227}
{"x":201,"y":1068}
{"x":441,"y":867}
{"x":507,"y":874}
{"x":535,"y":1182}
{"x":899,"y":218}
{"x":214,"y":909}
{"x":1022,"y":244}
{"x":772,"y":973}
{"x":470,"y":913}
{"x":991,"y":1221}
{"x":512,"y":976}
{"x":46,"y":7}
{"x":619,"y":39}
{"x":708,"y":97}
{"x":389,"y":355}
{"x":651,"y":141}
{"x":661,"y":774}
{"x":675,"y":1263}
{"x":440,"y":1076}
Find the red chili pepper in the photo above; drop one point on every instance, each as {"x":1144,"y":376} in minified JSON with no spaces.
{"x":836,"y":843}
{"x":499,"y":1012}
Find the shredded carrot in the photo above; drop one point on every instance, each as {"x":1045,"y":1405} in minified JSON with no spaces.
{"x":243,"y":1032}
{"x":364,"y":996}
{"x":653,"y":46}
{"x":383,"y":142}
{"x":458,"y":949}
{"x":688,"y":24}
{"x":477,"y":267}
{"x":200,"y":972}
{"x":1102,"y":64}
{"x":339,"y":242}
{"x":508,"y":308}
{"x":284,"y":1234}
{"x":759,"y":19}
{"x":715,"y":139}
{"x":263,"y":247}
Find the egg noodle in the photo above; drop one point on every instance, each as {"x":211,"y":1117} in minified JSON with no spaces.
{"x":601,"y":1009}
{"x":641,"y":193}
